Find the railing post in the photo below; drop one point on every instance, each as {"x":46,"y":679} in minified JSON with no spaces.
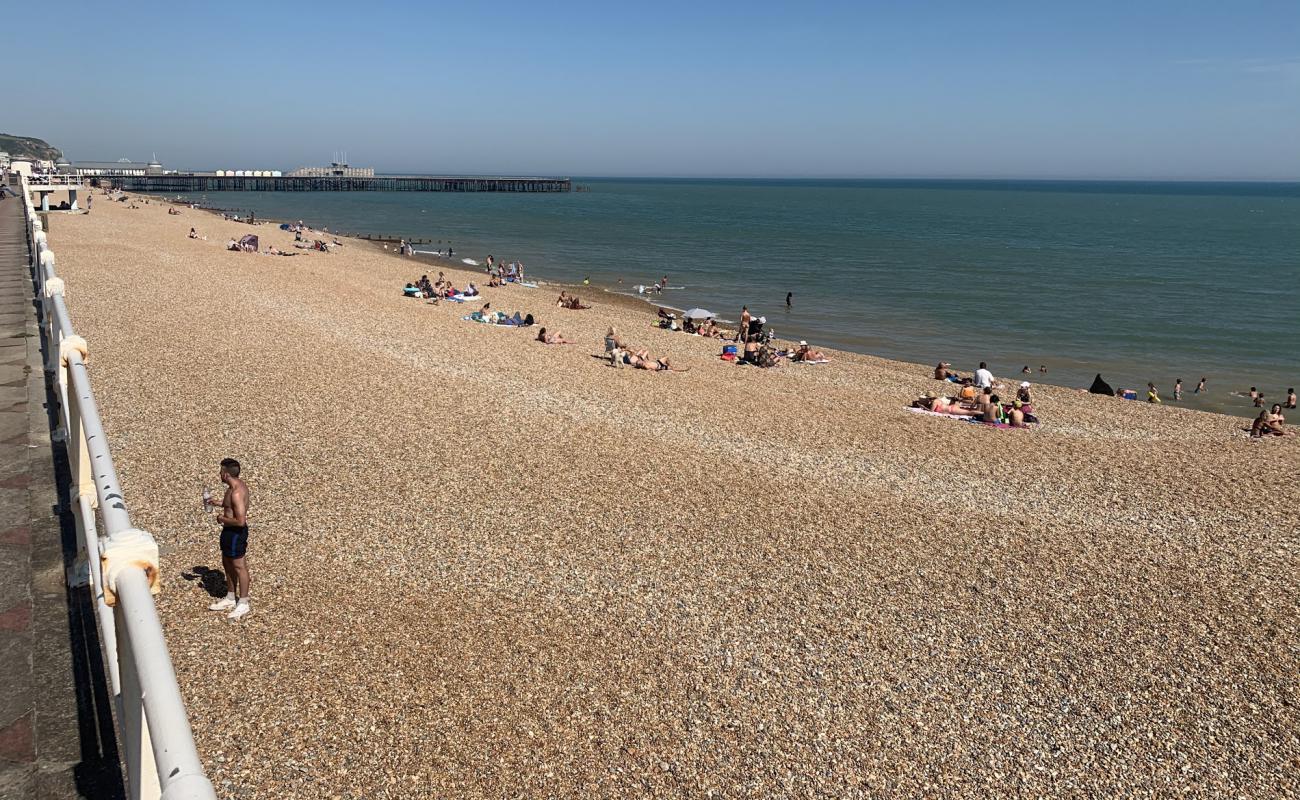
{"x":82,"y":484}
{"x":88,"y":530}
{"x":50,"y":286}
{"x":141,"y":772}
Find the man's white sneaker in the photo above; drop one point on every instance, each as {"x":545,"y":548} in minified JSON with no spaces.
{"x":222,"y":604}
{"x":241,"y":610}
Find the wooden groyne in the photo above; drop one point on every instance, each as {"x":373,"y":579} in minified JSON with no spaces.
{"x":189,"y":182}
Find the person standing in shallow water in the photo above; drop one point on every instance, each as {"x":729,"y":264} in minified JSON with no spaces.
{"x":789,"y":299}
{"x":1178,"y":390}
{"x":1200,"y":387}
{"x":233,"y":518}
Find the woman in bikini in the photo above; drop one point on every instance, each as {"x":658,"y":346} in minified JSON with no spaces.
{"x":551,"y":338}
{"x":664,"y":364}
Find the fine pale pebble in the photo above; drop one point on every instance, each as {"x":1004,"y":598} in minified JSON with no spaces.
{"x":487,"y":567}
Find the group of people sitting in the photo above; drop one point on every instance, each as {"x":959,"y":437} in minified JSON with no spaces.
{"x":570,"y":301}
{"x":983,"y":405}
{"x":620,"y":354}
{"x":700,"y":327}
{"x":437,"y":290}
{"x":1270,"y":422}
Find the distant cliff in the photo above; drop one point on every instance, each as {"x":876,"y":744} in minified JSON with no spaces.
{"x":27,"y":147}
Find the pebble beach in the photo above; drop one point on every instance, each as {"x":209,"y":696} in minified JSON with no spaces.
{"x":487,"y":567}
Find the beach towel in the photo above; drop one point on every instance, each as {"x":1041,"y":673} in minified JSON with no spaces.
{"x":819,"y":361}
{"x":962,"y":419}
{"x":989,"y":424}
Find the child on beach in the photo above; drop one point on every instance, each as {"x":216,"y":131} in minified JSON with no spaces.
{"x":1178,"y":390}
{"x":1152,"y":395}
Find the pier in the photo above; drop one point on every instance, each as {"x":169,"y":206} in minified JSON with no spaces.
{"x":191,"y":182}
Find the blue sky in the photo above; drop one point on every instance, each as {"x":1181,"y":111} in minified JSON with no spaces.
{"x":1179,"y":90}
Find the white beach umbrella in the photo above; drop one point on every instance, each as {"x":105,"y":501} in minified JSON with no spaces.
{"x":699,"y":313}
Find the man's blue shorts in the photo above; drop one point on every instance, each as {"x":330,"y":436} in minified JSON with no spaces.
{"x":234,"y":541}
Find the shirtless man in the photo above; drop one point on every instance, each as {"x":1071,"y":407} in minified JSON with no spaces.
{"x":805,"y":353}
{"x":990,"y":405}
{"x":743,"y":335}
{"x":233,"y":517}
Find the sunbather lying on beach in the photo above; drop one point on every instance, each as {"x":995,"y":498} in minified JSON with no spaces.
{"x":644,"y":361}
{"x":942,"y":373}
{"x":552,"y":338}
{"x":943,"y":405}
{"x":804,"y":353}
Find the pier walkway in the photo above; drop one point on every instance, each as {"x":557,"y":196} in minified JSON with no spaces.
{"x":189,"y":182}
{"x":56,"y":727}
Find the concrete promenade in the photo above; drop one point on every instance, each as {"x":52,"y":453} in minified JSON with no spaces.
{"x":56,"y":726}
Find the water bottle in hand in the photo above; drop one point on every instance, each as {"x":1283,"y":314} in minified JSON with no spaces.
{"x":207,"y":501}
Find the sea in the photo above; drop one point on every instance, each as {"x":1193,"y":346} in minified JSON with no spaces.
{"x":1136,"y":281}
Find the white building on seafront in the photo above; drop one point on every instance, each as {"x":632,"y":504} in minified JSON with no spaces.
{"x":337,"y":169}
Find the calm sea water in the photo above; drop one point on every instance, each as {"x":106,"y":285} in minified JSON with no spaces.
{"x":1137,"y":281}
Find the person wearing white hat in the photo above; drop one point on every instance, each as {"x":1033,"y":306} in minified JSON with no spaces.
{"x":1022,"y":394}
{"x":806,"y":354}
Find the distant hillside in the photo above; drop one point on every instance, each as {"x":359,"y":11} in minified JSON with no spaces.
{"x":27,"y":147}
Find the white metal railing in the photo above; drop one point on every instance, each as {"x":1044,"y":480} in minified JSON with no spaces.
{"x":54,"y":179}
{"x":122,"y":568}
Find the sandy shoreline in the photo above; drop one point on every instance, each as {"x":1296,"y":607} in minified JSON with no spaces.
{"x":488,"y":567}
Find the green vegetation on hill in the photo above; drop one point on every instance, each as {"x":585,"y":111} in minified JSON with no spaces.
{"x":27,"y":147}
